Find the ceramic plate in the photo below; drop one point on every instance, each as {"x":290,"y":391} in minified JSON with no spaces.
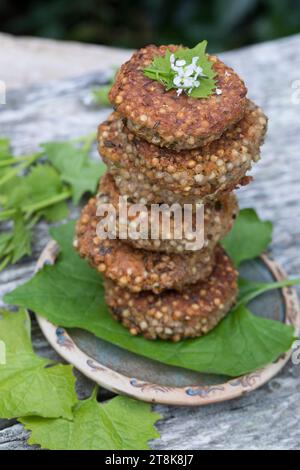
{"x":144,"y":379}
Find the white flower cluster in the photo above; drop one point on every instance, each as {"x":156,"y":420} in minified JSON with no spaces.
{"x":187,"y":75}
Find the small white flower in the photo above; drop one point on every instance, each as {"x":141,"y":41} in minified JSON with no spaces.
{"x":177,"y":81}
{"x":189,"y":70}
{"x":186,"y":77}
{"x":199,"y":71}
{"x":180,"y":63}
{"x":219,"y":91}
{"x":188,"y":83}
{"x":179,"y":70}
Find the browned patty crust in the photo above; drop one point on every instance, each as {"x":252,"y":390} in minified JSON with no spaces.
{"x":173,"y":315}
{"x":202,"y":173}
{"x":179,"y":122}
{"x":135,"y":269}
{"x":218,"y":220}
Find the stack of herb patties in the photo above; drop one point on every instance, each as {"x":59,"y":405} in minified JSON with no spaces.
{"x":183,"y":132}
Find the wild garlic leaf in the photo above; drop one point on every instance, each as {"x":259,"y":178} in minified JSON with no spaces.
{"x":56,"y":212}
{"x":4,"y":147}
{"x":31,"y":190}
{"x":160,"y":70}
{"x":79,"y":302}
{"x":15,"y":243}
{"x":20,"y":244}
{"x":249,"y":237}
{"x":119,"y":424}
{"x":5,"y":237}
{"x":100,"y":95}
{"x":40,"y":184}
{"x":29,"y":384}
{"x":75,"y":167}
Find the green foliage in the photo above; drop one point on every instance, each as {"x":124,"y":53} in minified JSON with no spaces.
{"x":100,"y":93}
{"x":4,"y":148}
{"x":16,"y":243}
{"x":29,"y":384}
{"x":41,"y":394}
{"x":41,"y":183}
{"x":32,"y":188}
{"x":249,"y":237}
{"x":248,"y":290}
{"x":160,"y":70}
{"x":119,"y":424}
{"x":80,"y":172}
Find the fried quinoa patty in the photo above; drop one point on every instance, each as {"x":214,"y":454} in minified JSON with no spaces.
{"x":178,"y":122}
{"x":152,"y":173}
{"x":173,"y":315}
{"x":134,"y":269}
{"x":218,"y":220}
{"x":141,"y":190}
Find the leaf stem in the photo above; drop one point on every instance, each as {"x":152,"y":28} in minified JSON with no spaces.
{"x":19,"y":168}
{"x":14,"y":160}
{"x":156,"y":71}
{"x":5,"y":262}
{"x":266,"y":288}
{"x":4,"y":215}
{"x":87,"y":141}
{"x":95,"y":392}
{"x":30,"y":209}
{"x":47,"y":202}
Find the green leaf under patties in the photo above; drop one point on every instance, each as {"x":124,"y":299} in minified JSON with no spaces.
{"x":71,"y":294}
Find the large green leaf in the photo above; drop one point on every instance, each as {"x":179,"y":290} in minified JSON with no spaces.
{"x":29,"y":384}
{"x":119,"y":424}
{"x":71,"y":294}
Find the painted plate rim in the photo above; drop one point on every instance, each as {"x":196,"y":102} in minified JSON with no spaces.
{"x":155,"y":393}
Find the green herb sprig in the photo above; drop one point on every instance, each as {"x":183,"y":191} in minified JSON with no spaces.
{"x":160,"y":70}
{"x":38,"y":186}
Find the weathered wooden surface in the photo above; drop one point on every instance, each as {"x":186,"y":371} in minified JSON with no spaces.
{"x":268,"y":418}
{"x":36,"y":60}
